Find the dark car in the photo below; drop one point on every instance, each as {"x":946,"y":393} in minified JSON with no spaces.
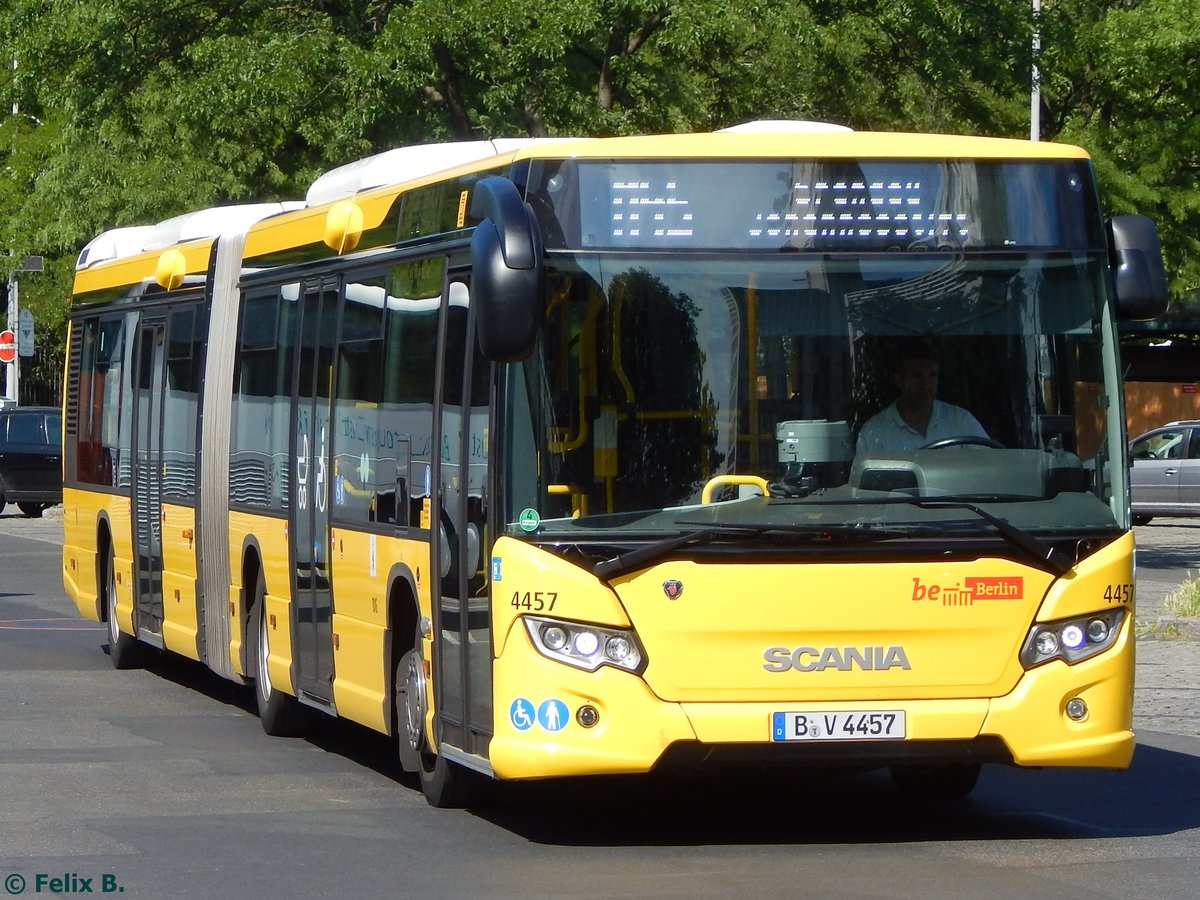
{"x":30,"y":457}
{"x":1165,"y":471}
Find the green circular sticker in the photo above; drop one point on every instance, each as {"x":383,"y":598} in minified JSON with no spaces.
{"x":529,"y":519}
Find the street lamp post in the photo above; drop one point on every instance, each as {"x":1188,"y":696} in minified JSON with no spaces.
{"x":1035,"y":91}
{"x":12,"y":369}
{"x":12,"y":379}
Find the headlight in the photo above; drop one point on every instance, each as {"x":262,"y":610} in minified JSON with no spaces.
{"x":1071,"y":639}
{"x":585,"y":646}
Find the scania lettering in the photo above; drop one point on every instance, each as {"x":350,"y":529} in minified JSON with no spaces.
{"x":539,"y":456}
{"x":844,"y":659}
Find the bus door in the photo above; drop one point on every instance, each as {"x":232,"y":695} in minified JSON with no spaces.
{"x":310,"y":490}
{"x":463,"y":641}
{"x":147,"y":473}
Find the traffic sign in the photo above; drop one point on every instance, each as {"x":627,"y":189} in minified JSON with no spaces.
{"x":8,"y":346}
{"x":25,"y":331}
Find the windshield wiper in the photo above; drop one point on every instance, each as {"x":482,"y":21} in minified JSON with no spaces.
{"x":1047,"y":556}
{"x":632,"y":560}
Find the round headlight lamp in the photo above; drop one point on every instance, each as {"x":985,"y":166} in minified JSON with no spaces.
{"x":1097,"y":630}
{"x":1046,"y":643}
{"x":553,"y":637}
{"x":1073,"y":637}
{"x":586,"y":643}
{"x":617,"y":648}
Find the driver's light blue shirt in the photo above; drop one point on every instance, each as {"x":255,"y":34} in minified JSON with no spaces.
{"x":887,"y":432}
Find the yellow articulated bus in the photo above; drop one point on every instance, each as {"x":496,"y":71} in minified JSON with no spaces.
{"x":786,"y":445}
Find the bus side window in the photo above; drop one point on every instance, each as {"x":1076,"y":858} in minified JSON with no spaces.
{"x":102,"y":370}
{"x":363,"y":453}
{"x":406,"y":407}
{"x":254,"y":433}
{"x":181,"y":404}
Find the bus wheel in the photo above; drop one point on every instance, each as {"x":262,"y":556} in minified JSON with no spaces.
{"x":280,"y":713}
{"x":123,"y":649}
{"x":445,"y":784}
{"x":949,"y":781}
{"x":410,"y":709}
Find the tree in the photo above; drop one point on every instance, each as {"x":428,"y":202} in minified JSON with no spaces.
{"x":1123,"y":80}
{"x":136,"y":111}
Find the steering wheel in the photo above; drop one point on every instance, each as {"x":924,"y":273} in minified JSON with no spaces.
{"x":963,"y":440}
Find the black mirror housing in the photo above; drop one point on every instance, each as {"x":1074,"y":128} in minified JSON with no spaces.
{"x":1140,"y":279}
{"x":507,"y":283}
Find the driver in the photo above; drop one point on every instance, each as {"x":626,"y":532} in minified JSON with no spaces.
{"x":917,"y":418}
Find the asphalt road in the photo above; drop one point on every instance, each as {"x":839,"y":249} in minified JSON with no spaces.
{"x":161,"y":784}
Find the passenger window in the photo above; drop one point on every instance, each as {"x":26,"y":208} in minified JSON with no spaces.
{"x":1163,"y":445}
{"x":25,"y":430}
{"x":361,"y":476}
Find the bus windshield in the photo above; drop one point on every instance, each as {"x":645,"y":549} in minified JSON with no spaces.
{"x":672,"y":390}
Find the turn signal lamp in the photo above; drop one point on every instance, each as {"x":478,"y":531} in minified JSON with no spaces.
{"x":170,"y":269}
{"x":343,"y":226}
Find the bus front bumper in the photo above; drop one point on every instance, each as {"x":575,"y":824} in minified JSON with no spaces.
{"x":541,"y":708}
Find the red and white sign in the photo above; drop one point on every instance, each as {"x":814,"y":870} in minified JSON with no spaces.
{"x":8,"y":346}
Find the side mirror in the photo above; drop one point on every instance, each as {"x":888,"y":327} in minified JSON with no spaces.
{"x":1141,"y":282}
{"x":507,"y":281}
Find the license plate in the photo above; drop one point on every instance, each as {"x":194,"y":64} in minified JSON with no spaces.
{"x":838,"y":725}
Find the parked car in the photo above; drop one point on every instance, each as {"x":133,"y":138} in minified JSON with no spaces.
{"x":30,"y":458}
{"x":1165,"y":471}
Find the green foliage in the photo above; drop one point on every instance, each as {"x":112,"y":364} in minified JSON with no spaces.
{"x":1124,"y":83}
{"x":135,"y":111}
{"x":1184,"y":600}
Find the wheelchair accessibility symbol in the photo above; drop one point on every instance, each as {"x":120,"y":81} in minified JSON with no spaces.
{"x":522,"y":715}
{"x":550,"y":715}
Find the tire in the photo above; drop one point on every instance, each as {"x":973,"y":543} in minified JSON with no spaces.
{"x":32,"y":510}
{"x":446,"y":785}
{"x":281,"y":714}
{"x":1137,"y":519}
{"x":936,"y":783}
{"x":410,"y":709}
{"x":123,"y":649}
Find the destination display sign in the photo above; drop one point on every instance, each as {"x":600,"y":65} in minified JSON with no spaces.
{"x":865,"y":205}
